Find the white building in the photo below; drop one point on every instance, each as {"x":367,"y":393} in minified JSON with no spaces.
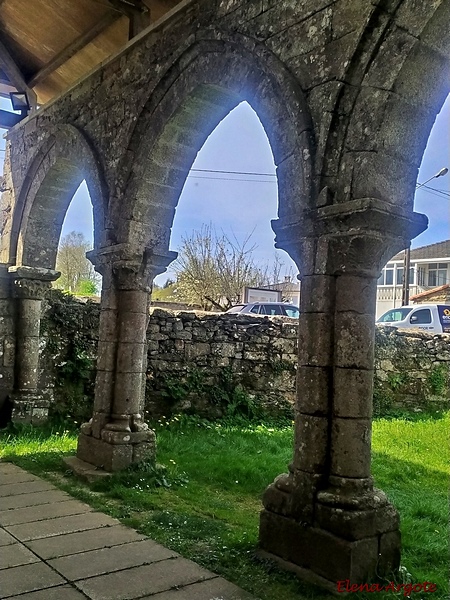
{"x":430,"y":268}
{"x":289,"y":290}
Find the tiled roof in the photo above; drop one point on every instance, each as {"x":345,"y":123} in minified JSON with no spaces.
{"x":440,"y":288}
{"x":438,"y":250}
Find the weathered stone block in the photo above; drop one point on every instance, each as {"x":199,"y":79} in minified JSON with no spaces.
{"x":104,"y":389}
{"x":352,"y":388}
{"x":390,"y":552}
{"x":356,"y":294}
{"x":106,"y":355}
{"x":315,"y":336}
{"x":354,"y":341}
{"x":318,"y":292}
{"x":9,"y":351}
{"x":311,"y":443}
{"x":145,"y":451}
{"x":132,"y":327}
{"x":130,"y":358}
{"x":358,"y":524}
{"x":110,"y":457}
{"x":323,"y":553}
{"x":350,"y":447}
{"x":313,"y":388}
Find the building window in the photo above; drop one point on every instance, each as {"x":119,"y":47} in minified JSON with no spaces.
{"x":387,"y":275}
{"x":400,"y":275}
{"x":437,"y":274}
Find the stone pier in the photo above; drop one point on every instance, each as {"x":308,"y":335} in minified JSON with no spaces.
{"x":117,"y":436}
{"x":29,"y":287}
{"x":324,"y":519}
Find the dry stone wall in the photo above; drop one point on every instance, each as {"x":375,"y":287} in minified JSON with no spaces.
{"x":412,"y":370}
{"x":216,"y":364}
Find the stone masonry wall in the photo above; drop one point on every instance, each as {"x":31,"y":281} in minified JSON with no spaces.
{"x":412,"y":369}
{"x":7,"y":343}
{"x":216,"y":364}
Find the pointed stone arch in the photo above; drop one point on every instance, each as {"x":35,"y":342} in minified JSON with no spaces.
{"x":201,"y":88}
{"x":64,"y":160}
{"x":384,"y":108}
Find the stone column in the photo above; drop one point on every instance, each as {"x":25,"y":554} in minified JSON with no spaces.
{"x":29,"y":287}
{"x":324,"y":519}
{"x":117,"y":436}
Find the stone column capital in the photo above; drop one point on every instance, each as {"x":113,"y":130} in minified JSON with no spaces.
{"x":357,"y":237}
{"x":131,"y":268}
{"x":32,"y":282}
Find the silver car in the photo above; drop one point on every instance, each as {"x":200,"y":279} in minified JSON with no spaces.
{"x":267,"y":308}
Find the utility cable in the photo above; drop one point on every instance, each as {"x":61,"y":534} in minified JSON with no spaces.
{"x":233,"y":172}
{"x":231,"y":179}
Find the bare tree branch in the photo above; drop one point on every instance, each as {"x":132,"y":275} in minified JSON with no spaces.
{"x":213,"y":269}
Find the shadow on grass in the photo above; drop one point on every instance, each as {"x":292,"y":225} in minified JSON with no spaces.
{"x":419,"y":493}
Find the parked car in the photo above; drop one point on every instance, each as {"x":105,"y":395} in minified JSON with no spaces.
{"x":433,"y":318}
{"x":267,"y":308}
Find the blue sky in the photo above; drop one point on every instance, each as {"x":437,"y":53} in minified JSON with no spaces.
{"x":241,"y":204}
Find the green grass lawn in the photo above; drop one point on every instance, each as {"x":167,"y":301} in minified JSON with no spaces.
{"x":207,"y":497}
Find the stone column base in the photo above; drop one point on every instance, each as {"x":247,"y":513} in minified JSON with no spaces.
{"x":29,"y":407}
{"x":116,"y":450}
{"x":321,"y":557}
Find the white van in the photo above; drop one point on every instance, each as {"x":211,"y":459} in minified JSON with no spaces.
{"x":432,"y":318}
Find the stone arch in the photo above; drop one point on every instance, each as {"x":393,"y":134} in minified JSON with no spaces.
{"x":400,"y":77}
{"x":63,"y":162}
{"x":201,"y":88}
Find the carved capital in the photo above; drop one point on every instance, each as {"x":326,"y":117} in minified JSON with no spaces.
{"x":356,"y":237}
{"x":32,"y":283}
{"x":131,"y":268}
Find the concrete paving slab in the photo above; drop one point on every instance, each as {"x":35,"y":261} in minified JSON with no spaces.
{"x":90,"y":554}
{"x":34,"y":499}
{"x":13,"y":489}
{"x":92,"y":539}
{"x":106,"y":560}
{"x":27,"y":578}
{"x":6,"y":538}
{"x":42,"y":512}
{"x":60,"y":526}
{"x":62,"y":592}
{"x":143,"y":581}
{"x":15,"y":555}
{"x":20,"y":477}
{"x":6,"y":468}
{"x":212,"y":589}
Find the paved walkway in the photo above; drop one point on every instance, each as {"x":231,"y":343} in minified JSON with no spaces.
{"x":53,"y":547}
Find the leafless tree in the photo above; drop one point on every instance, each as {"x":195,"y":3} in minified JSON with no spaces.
{"x":212,"y":269}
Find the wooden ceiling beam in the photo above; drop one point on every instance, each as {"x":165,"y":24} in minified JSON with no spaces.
{"x":15,"y":76}
{"x":137,"y":12}
{"x":74,"y":47}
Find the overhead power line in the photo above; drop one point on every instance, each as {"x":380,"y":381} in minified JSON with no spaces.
{"x":442,"y":192}
{"x":234,"y":172}
{"x":232,"y":179}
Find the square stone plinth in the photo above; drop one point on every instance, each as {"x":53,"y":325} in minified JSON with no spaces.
{"x":110,"y":457}
{"x":115,"y":456}
{"x":317,"y":555}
